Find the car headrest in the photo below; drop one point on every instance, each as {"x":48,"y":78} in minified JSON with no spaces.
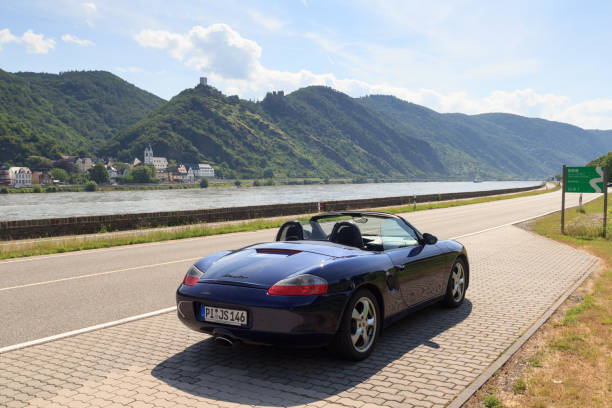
{"x":346,"y":233}
{"x":290,"y":231}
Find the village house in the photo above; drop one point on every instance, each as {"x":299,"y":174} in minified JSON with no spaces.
{"x":20,"y":177}
{"x":202,"y":170}
{"x":115,"y":173}
{"x":5,"y":176}
{"x":83,"y":164}
{"x":42,"y":177}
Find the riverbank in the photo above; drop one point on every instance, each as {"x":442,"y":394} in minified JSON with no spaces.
{"x":211,"y":183}
{"x":15,"y":207}
{"x":44,"y":246}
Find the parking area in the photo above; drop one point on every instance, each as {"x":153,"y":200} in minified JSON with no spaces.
{"x":426,"y":360}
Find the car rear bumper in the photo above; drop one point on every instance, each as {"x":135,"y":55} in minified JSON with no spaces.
{"x":272,"y":320}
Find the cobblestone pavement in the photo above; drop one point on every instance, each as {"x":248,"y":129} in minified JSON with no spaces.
{"x":423,"y":361}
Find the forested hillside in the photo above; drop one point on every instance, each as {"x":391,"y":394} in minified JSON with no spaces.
{"x":495,"y":142}
{"x":70,"y":113}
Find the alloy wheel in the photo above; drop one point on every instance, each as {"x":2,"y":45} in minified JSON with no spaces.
{"x":363,"y":324}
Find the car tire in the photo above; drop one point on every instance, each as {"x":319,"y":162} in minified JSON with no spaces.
{"x":457,"y":284}
{"x":359,"y":328}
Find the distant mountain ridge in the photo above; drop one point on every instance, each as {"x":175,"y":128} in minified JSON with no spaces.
{"x":312,"y":132}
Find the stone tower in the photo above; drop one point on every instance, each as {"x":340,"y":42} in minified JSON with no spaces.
{"x":148,"y":154}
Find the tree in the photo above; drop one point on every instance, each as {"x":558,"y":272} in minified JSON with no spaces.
{"x":268,"y":173}
{"x":144,"y":174}
{"x":99,"y":174}
{"x":38,"y":163}
{"x":59,"y":174}
{"x":204,"y":183}
{"x":172,"y":166}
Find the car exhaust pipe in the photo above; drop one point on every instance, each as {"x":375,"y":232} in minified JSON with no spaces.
{"x":224,"y":341}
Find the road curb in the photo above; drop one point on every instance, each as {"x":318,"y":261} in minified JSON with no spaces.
{"x":467,"y":393}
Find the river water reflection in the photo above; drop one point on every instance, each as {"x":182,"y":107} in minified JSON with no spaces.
{"x":51,"y":205}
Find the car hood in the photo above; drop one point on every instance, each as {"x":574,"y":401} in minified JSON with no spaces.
{"x":263,"y":265}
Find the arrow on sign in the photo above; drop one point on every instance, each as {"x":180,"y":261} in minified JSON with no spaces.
{"x":594,"y":182}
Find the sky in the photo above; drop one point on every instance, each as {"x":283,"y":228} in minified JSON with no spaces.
{"x":548,"y":59}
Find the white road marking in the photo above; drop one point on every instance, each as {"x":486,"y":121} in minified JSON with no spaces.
{"x":97,"y":274}
{"x":85,"y":330}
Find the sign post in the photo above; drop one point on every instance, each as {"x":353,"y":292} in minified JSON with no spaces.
{"x":584,"y":180}
{"x":605,"y":187}
{"x":564,"y":181}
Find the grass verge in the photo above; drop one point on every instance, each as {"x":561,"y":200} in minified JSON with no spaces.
{"x":16,"y":249}
{"x":568,"y":363}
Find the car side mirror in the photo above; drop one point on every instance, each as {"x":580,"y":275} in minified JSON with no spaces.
{"x":429,"y":239}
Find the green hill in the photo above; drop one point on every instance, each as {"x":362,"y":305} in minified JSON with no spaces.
{"x":70,"y":113}
{"x":315,"y":131}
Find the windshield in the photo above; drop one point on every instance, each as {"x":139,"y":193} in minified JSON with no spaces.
{"x":378,"y":233}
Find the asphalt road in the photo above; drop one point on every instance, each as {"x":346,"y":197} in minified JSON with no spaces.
{"x":47,"y":295}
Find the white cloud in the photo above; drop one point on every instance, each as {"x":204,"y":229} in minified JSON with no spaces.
{"x":35,"y":43}
{"x":217,"y":49}
{"x":233,"y":65}
{"x":75,"y":40}
{"x":6,"y":37}
{"x":268,"y":22}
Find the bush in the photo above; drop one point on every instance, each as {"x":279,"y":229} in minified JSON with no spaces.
{"x":269,"y":182}
{"x":91,"y":186}
{"x":203,"y":183}
{"x":492,"y":402}
{"x":237,"y":183}
{"x":36,"y":189}
{"x":51,"y":189}
{"x":256,"y":183}
{"x":3,"y":190}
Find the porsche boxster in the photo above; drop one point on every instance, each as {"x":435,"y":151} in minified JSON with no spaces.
{"x":337,"y":279}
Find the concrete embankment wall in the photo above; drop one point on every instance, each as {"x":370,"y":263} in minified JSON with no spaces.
{"x":91,"y":224}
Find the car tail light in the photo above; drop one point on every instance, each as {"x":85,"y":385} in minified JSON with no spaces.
{"x":300,"y":285}
{"x":193,"y":276}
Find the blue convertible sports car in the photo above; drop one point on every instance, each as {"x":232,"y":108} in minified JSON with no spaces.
{"x":335,"y":280}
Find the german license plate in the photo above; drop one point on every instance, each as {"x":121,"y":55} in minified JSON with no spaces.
{"x":226,"y":316}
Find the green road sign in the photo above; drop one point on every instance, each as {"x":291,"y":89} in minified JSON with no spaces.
{"x":584,"y":180}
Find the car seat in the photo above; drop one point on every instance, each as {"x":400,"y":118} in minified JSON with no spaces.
{"x":290,"y":231}
{"x":346,"y":233}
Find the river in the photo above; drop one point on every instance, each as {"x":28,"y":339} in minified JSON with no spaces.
{"x":52,"y":205}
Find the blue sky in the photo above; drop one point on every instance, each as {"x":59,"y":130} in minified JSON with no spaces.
{"x":545,"y":59}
